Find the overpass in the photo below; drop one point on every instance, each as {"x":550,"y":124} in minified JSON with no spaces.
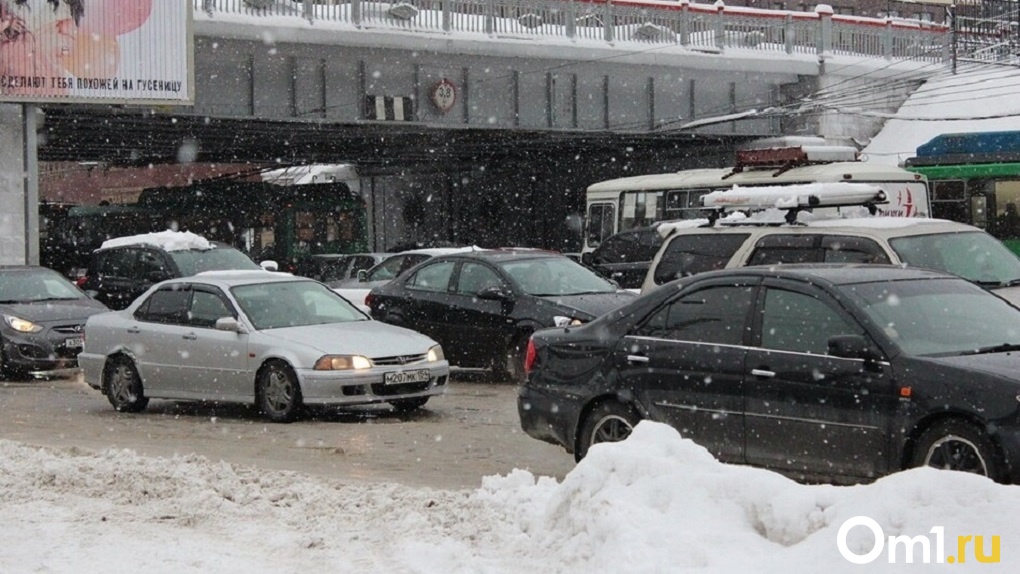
{"x":513,"y":104}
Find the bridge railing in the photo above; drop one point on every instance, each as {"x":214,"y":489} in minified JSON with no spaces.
{"x":702,"y":27}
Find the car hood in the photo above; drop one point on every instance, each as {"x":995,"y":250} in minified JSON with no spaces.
{"x":595,"y":304}
{"x":49,"y":311}
{"x":1000,"y":364}
{"x":1011,"y":294}
{"x":368,"y":338}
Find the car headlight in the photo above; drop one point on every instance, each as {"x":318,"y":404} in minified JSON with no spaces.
{"x":22,"y":325}
{"x":342,"y":363}
{"x":435,"y":354}
{"x":562,"y":321}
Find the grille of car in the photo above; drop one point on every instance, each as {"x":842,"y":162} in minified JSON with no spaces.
{"x":68,"y":329}
{"x":399,"y":360}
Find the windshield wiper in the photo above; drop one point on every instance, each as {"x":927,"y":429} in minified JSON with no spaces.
{"x":1003,"y":348}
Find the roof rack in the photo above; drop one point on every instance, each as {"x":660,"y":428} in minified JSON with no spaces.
{"x":783,"y":159}
{"x":793,"y":198}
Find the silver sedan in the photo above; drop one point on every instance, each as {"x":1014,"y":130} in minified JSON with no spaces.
{"x":273,"y":339}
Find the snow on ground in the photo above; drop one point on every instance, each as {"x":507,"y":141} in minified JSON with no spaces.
{"x":653,"y":504}
{"x":978,"y":98}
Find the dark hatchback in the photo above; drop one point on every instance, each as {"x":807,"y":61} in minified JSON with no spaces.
{"x":831,"y":373}
{"x":43,"y":315}
{"x":626,"y":256}
{"x":126,"y":267}
{"x":482,"y":306}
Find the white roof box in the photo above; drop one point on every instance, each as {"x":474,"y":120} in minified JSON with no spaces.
{"x":798,"y":196}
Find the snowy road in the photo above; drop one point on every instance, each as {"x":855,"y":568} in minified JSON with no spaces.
{"x":469,"y":433}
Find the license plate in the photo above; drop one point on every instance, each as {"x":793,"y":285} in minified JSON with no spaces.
{"x":404,"y":377}
{"x":74,"y":343}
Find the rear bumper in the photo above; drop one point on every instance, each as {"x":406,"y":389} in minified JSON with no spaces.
{"x":547,"y":417}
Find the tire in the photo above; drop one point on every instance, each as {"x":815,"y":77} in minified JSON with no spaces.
{"x":408,"y":405}
{"x":123,"y":387}
{"x":954,"y":444}
{"x":608,"y":422}
{"x":279,"y":395}
{"x":511,"y":362}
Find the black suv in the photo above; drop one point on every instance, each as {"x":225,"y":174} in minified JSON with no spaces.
{"x":626,"y":256}
{"x":126,"y":267}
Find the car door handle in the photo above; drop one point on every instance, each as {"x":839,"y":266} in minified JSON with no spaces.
{"x":190,"y":336}
{"x":637,"y":359}
{"x":134,"y":330}
{"x":763,"y":373}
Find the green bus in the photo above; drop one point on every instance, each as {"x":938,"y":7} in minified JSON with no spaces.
{"x":974,"y":178}
{"x":285,"y":223}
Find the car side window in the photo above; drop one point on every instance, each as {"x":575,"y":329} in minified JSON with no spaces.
{"x":851,"y":249}
{"x":169,"y":304}
{"x":474,"y":277}
{"x":435,"y":277}
{"x":207,"y":306}
{"x":712,"y":315}
{"x":694,"y":253}
{"x":801,"y":323}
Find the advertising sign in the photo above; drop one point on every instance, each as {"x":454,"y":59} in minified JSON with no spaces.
{"x":96,"y":51}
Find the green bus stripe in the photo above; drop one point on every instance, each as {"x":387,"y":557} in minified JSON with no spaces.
{"x":967,"y":171}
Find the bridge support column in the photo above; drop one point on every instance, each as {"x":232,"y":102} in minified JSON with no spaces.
{"x":19,"y":186}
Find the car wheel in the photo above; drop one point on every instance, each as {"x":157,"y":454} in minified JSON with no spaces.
{"x":513,"y":361}
{"x":279,"y":395}
{"x":608,"y":422}
{"x":954,"y":444}
{"x":408,"y":405}
{"x":123,"y":386}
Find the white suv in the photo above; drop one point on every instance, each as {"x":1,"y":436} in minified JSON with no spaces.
{"x":694,"y":246}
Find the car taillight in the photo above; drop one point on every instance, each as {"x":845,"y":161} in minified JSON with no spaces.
{"x":368,"y":300}
{"x":529,"y":357}
{"x":80,"y":282}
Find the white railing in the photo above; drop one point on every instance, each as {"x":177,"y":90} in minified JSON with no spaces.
{"x":705,"y":27}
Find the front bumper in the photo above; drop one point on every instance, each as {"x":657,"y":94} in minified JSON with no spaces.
{"x":41,"y":352}
{"x":366,"y":387}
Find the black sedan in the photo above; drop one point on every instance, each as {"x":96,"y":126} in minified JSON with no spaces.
{"x":832,"y":373}
{"x":482,"y":306}
{"x":41,"y":319}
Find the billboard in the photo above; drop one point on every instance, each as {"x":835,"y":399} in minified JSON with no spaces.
{"x":96,"y":51}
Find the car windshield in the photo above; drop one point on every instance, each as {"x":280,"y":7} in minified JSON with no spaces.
{"x":293,"y":304}
{"x":392,"y":267}
{"x":939,"y":317}
{"x":550,"y":276}
{"x":34,"y":285}
{"x":975,"y":256}
{"x":195,"y":261}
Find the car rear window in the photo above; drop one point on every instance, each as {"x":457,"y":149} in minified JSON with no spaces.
{"x":696,"y":253}
{"x":194,"y":261}
{"x":816,"y":248}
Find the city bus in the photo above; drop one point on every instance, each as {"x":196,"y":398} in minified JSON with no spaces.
{"x":974,"y":178}
{"x":631,"y":202}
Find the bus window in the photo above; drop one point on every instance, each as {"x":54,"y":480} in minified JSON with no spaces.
{"x":640,"y":209}
{"x":601,"y":223}
{"x":683,"y":204}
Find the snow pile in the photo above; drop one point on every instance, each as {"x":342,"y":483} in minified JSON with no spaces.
{"x":169,"y":240}
{"x":655,"y":503}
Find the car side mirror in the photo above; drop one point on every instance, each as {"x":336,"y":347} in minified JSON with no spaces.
{"x":230,"y":324}
{"x":852,"y":347}
{"x":362,"y":275}
{"x":269,"y":265}
{"x":587,"y":258}
{"x":494,"y":293}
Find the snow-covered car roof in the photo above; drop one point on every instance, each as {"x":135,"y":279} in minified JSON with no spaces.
{"x":168,"y":240}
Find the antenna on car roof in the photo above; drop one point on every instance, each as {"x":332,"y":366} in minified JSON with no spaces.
{"x":793,"y":198}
